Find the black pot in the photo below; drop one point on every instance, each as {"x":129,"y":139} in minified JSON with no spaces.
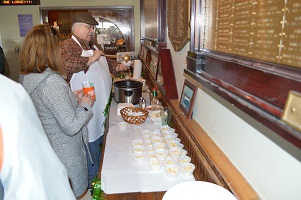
{"x":127,"y":91}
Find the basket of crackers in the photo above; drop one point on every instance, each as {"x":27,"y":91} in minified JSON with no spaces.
{"x":134,"y":115}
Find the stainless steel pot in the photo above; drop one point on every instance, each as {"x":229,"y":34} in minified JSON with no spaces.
{"x":127,"y":91}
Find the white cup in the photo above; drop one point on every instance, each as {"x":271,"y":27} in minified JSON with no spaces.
{"x":122,"y":125}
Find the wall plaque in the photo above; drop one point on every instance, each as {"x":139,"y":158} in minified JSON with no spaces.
{"x":178,"y":17}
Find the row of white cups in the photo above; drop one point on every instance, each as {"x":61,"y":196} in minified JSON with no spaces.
{"x":162,"y":148}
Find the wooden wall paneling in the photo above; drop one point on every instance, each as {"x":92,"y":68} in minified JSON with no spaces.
{"x":211,"y":163}
{"x":204,"y":169}
{"x":257,"y":88}
{"x":169,"y":80}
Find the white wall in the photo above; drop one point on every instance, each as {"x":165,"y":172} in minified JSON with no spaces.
{"x":270,"y":169}
{"x":9,"y":27}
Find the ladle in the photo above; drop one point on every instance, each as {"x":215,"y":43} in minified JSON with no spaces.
{"x":125,"y":57}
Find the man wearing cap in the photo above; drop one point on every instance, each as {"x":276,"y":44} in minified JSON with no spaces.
{"x":84,"y":61}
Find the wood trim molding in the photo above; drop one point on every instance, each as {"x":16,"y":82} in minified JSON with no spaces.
{"x":212,"y":165}
{"x":219,"y":166}
{"x":257,"y":88}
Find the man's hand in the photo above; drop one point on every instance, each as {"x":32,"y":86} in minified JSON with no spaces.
{"x":121,"y":67}
{"x":95,"y":57}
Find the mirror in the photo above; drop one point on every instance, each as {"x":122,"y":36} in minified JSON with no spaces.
{"x":110,"y":37}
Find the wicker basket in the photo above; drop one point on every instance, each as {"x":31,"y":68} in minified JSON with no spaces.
{"x":125,"y":113}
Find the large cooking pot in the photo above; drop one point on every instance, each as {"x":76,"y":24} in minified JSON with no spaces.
{"x":127,"y":91}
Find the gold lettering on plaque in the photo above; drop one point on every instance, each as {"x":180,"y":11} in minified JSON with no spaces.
{"x":178,"y":15}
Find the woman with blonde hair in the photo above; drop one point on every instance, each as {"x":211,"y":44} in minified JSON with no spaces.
{"x":64,"y":116}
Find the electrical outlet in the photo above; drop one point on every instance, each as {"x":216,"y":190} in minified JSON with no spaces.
{"x":15,"y":43}
{"x":292,"y":110}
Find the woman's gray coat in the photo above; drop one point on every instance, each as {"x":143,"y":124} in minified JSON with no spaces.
{"x":64,"y":122}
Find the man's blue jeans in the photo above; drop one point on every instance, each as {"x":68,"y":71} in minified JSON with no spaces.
{"x":96,"y":154}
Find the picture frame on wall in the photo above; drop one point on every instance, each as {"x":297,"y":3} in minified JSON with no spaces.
{"x":187,"y":98}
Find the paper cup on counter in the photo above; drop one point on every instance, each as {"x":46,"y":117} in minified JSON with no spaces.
{"x":159,"y":145}
{"x":155,"y":134}
{"x":161,"y":154}
{"x":183,"y":152}
{"x":149,"y":148}
{"x":146,"y":137}
{"x":172,"y":171}
{"x":122,"y":125}
{"x":88,"y":88}
{"x":183,"y":160}
{"x":169,"y":132}
{"x":173,"y":143}
{"x":138,"y":149}
{"x":164,"y":129}
{"x":139,"y":157}
{"x":169,"y":161}
{"x":157,"y":139}
{"x":181,"y":145}
{"x":146,"y":132}
{"x":175,"y":152}
{"x":151,"y":155}
{"x":154,"y":164}
{"x":137,"y":143}
{"x":169,"y":138}
{"x":178,"y":140}
{"x":187,"y":169}
{"x":148,"y":142}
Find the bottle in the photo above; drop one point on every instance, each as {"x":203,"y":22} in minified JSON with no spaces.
{"x":154,"y":101}
{"x":151,"y":96}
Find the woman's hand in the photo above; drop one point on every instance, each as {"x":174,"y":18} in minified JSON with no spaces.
{"x":78,"y":94}
{"x":87,"y":99}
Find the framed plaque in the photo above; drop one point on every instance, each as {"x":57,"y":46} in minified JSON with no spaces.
{"x":178,"y":19}
{"x":187,"y":98}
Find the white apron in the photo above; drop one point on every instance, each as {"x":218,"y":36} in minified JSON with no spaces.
{"x":99,"y":75}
